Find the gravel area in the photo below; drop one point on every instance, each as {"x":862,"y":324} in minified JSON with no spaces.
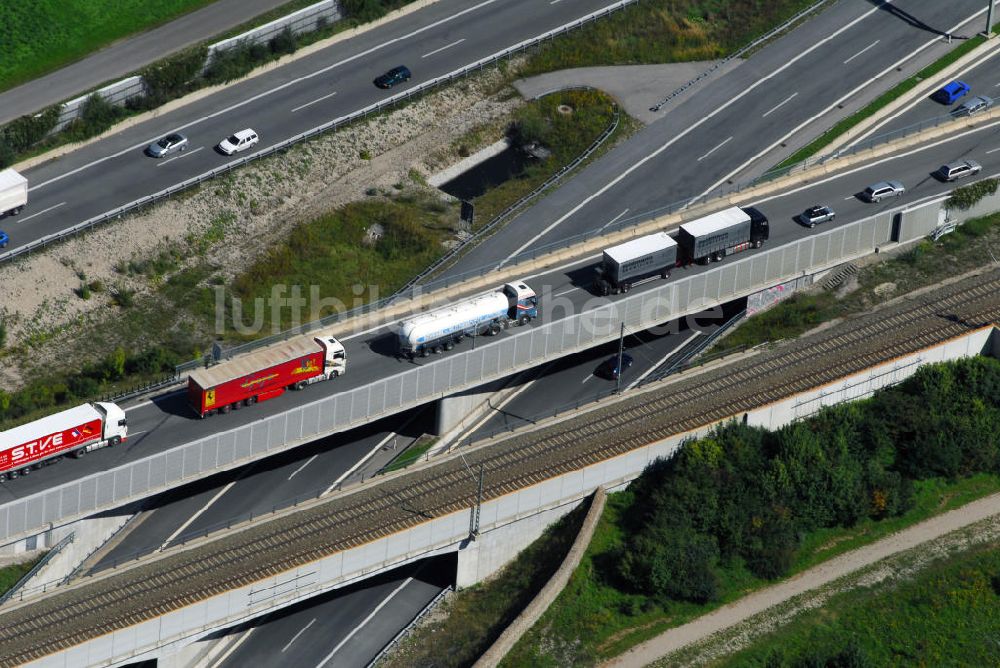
{"x":234,"y":219}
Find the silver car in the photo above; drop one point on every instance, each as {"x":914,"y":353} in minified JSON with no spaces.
{"x":172,"y":143}
{"x":815,"y":215}
{"x":974,"y":106}
{"x":958,"y":170}
{"x":883,"y":189}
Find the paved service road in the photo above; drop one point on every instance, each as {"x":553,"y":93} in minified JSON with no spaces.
{"x":129,"y":55}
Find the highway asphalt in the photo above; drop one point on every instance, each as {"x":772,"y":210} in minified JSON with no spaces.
{"x":278,"y":104}
{"x":167,"y":421}
{"x":345,"y":628}
{"x":129,"y":54}
{"x":736,"y":125}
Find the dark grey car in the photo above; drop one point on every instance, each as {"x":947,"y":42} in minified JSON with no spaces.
{"x":958,"y":170}
{"x":172,"y":143}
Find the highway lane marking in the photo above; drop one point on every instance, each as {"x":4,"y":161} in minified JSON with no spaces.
{"x":870,"y":46}
{"x":565,"y":292}
{"x":680,"y":135}
{"x":724,"y":142}
{"x":160,"y":163}
{"x":822,"y":112}
{"x":296,"y":636}
{"x":869,"y":165}
{"x":27,"y":218}
{"x":276,"y":89}
{"x":318,"y":99}
{"x":308,"y":462}
{"x":992,"y":151}
{"x":662,"y":360}
{"x":365,"y":621}
{"x":363,"y":460}
{"x":448,"y":46}
{"x":780,"y":105}
{"x":589,"y":376}
{"x":196,"y":515}
{"x":496,"y":409}
{"x":613,"y":220}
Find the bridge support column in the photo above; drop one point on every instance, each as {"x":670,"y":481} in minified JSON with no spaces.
{"x":495,"y":548}
{"x":460,"y":411}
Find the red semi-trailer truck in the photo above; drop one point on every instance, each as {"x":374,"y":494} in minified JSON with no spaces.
{"x":265,"y":374}
{"x":74,"y":431}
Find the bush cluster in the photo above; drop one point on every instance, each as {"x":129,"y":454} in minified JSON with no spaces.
{"x":746,"y":496}
{"x":85,"y":385}
{"x":22,"y":133}
{"x":968,"y":196}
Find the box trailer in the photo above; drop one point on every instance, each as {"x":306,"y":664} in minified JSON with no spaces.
{"x":74,"y":431}
{"x":634,"y":262}
{"x":13,"y":192}
{"x":265,"y":374}
{"x":722,"y":233}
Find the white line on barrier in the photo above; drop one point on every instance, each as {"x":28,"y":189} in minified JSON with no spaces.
{"x":27,"y":218}
{"x":447,"y":46}
{"x":318,"y":99}
{"x":365,"y":621}
{"x":613,"y":220}
{"x":662,"y":360}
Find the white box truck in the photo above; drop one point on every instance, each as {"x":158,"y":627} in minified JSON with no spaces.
{"x":13,"y":193}
{"x":635,"y":261}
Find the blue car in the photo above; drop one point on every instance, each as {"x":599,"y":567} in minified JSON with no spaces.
{"x":4,"y":239}
{"x":951,"y":92}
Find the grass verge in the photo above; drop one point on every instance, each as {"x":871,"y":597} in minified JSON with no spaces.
{"x":881,"y":101}
{"x":414,"y":452}
{"x":924,"y":264}
{"x":468,"y":623}
{"x":11,"y":575}
{"x":941,"y":615}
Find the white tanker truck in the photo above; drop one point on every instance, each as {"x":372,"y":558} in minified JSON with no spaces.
{"x":487,"y":314}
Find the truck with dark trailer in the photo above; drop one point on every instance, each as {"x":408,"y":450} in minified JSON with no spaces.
{"x":636,"y":261}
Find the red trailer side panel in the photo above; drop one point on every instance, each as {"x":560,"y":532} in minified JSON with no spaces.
{"x":204,"y":399}
{"x":46,"y":445}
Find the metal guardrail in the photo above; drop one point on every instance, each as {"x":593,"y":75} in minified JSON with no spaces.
{"x":684,"y":361}
{"x":370,"y":110}
{"x":56,"y":549}
{"x":392,"y":644}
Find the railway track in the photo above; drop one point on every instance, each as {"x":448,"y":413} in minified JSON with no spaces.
{"x":174,"y":579}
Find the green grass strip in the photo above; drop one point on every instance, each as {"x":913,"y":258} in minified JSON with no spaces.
{"x":881,"y":101}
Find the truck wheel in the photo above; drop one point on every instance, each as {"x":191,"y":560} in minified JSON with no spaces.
{"x":25,"y":471}
{"x":626,"y":288}
{"x":524,"y":320}
{"x":424,"y":352}
{"x":438,"y":349}
{"x":115,"y":440}
{"x":12,"y":475}
{"x":494,"y":330}
{"x":449,"y":345}
{"x":237,"y":405}
{"x":334,"y":373}
{"x":79,"y":453}
{"x":225,"y":409}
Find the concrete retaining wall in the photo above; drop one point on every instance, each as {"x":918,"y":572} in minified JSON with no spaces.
{"x":304,"y":20}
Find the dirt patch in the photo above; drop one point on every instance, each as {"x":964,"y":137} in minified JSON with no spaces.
{"x":231,"y":221}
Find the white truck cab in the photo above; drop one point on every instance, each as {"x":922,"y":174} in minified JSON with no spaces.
{"x":336,"y":356}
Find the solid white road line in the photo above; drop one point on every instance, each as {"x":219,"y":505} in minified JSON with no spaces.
{"x":38,"y":213}
{"x":614,"y":220}
{"x":513,"y":395}
{"x":364,"y":622}
{"x":296,"y":636}
{"x":992,"y":151}
{"x":836,"y":103}
{"x":318,"y":99}
{"x":276,"y":89}
{"x":308,"y":462}
{"x":181,"y":528}
{"x":589,"y":376}
{"x":779,"y":105}
{"x":363,"y":460}
{"x":662,"y":360}
{"x":724,"y":142}
{"x":564,"y":292}
{"x":448,"y":46}
{"x":160,"y":163}
{"x":870,"y":46}
{"x":222,"y":659}
{"x":680,"y":135}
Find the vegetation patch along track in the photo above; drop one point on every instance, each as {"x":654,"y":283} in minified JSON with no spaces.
{"x":181,"y":577}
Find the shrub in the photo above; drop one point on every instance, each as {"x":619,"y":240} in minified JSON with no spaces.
{"x":283,"y":43}
{"x":23,"y":133}
{"x":123,"y":296}
{"x":363,"y":10}
{"x":968,"y":196}
{"x":3,"y":334}
{"x":174,"y":76}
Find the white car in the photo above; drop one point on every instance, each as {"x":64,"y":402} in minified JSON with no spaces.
{"x":240,"y":141}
